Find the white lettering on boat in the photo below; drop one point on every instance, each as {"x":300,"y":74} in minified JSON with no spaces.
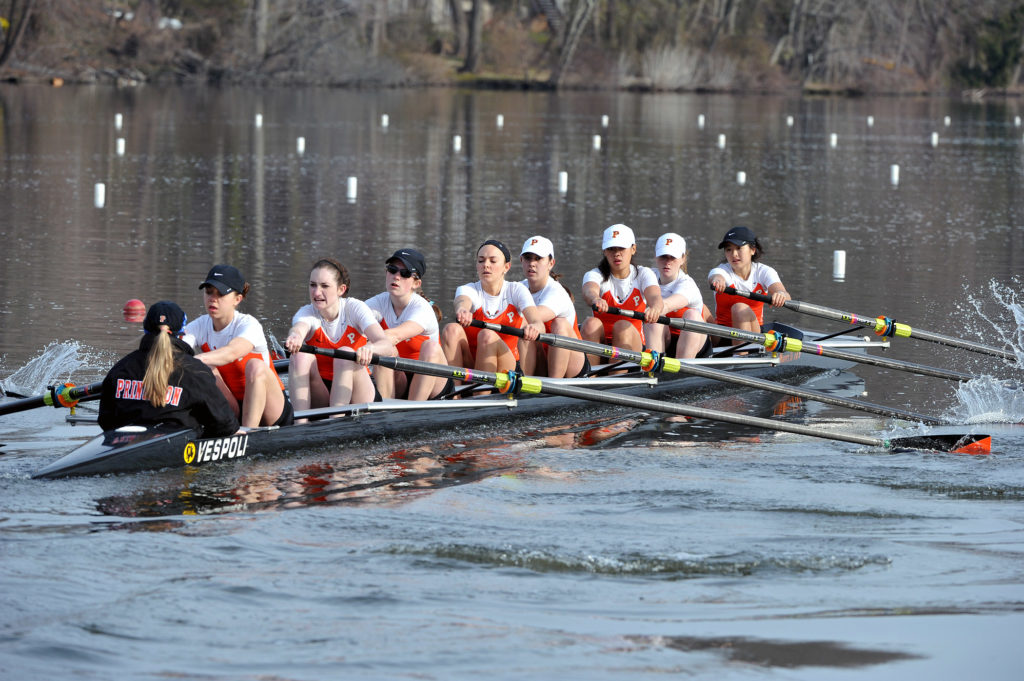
{"x":216,"y":449}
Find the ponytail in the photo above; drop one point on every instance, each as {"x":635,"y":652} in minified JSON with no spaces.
{"x":159,"y":365}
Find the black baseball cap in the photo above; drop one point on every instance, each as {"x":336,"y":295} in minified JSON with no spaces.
{"x":412,"y":259}
{"x":225,"y":279}
{"x":167,"y":313}
{"x":738,"y":236}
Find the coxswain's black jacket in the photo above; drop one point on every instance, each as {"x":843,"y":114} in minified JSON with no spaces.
{"x":193,"y":398}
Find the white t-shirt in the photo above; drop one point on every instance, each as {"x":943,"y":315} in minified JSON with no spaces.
{"x":759,"y":274}
{"x":418,"y":310}
{"x":199,"y":332}
{"x":512,"y":293}
{"x":640,"y":278}
{"x":685,"y":286}
{"x":351,"y":312}
{"x":554,"y":297}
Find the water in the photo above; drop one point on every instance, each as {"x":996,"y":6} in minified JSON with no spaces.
{"x":601,"y":544}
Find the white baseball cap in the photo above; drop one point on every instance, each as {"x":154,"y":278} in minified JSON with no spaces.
{"x":538,"y":245}
{"x":670,"y":243}
{"x":618,"y":236}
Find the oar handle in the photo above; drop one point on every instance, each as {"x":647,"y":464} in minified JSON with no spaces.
{"x":759,"y":297}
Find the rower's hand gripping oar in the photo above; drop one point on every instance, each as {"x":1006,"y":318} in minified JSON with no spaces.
{"x":882,"y":325}
{"x":515,"y":384}
{"x":56,"y":396}
{"x":652,"y":361}
{"x":778,"y":342}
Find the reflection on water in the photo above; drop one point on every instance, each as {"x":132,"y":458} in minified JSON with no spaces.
{"x":364,"y":478}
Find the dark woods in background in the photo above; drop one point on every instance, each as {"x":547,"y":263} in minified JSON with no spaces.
{"x":828,"y":45}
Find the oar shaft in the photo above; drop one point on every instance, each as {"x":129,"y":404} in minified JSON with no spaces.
{"x":794,"y":345}
{"x":881,"y":325}
{"x":536,"y":385}
{"x":680,"y":366}
{"x":55,"y":397}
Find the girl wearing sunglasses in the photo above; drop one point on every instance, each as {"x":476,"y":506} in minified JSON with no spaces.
{"x":410,"y":322}
{"x":332,"y":320}
{"x":490,"y":299}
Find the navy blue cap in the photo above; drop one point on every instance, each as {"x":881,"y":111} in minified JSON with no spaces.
{"x":738,"y":236}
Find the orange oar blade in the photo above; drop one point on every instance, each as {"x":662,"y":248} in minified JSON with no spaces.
{"x":956,"y":443}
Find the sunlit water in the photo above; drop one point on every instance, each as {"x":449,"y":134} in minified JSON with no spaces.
{"x":596,"y":544}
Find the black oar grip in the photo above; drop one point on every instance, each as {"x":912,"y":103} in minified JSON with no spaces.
{"x":760,"y":297}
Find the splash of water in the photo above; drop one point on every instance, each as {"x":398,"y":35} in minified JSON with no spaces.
{"x":55,"y":364}
{"x":987,"y":399}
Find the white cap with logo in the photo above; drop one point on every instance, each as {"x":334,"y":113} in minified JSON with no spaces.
{"x":618,"y":236}
{"x":538,"y":245}
{"x":670,"y":243}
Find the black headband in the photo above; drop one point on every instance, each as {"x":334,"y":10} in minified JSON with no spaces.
{"x":500,"y":246}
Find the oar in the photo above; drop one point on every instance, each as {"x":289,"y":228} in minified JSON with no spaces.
{"x":56,"y":396}
{"x":782,"y":343}
{"x":882,"y":325}
{"x":515,"y":383}
{"x":648,"y":362}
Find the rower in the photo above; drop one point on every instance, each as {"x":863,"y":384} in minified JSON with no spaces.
{"x":682,"y":300}
{"x":490,"y":299}
{"x":557,"y":312}
{"x":234,"y":345}
{"x":333,"y":320}
{"x":410,"y":321}
{"x":619,"y":283}
{"x":162,"y":382}
{"x":743,"y":271}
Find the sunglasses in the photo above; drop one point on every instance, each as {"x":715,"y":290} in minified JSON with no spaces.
{"x":399,"y":270}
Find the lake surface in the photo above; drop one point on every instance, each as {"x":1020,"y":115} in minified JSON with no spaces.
{"x":615,"y":545}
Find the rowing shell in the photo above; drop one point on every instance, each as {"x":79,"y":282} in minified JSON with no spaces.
{"x":137,"y":448}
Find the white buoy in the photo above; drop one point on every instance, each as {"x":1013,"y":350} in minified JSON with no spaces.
{"x":500,"y":121}
{"x":563,"y":181}
{"x":947,"y":120}
{"x":120,"y":146}
{"x":894,"y":174}
{"x":457,"y":143}
{"x":1016,"y":121}
{"x":384,"y":120}
{"x":300,"y":145}
{"x":353,"y":189}
{"x":118,"y":121}
{"x":833,"y":140}
{"x":839,"y":265}
{"x":700,"y":121}
{"x":871,"y":121}
{"x":741,"y":178}
{"x":604,"y":121}
{"x":721,"y":141}
{"x":259,"y":120}
{"x":789,"y":121}
{"x":597,"y":142}
{"x":99,"y":195}
{"x":935,"y":139}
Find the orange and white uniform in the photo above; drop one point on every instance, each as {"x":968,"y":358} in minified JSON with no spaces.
{"x":625,"y":294}
{"x":505,"y":308}
{"x":418,"y":310}
{"x":199,"y":333}
{"x":344,"y":331}
{"x":761,"y":277}
{"x":685,"y":286}
{"x":554,"y":297}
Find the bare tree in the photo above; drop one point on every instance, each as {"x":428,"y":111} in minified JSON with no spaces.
{"x":473,"y":47}
{"x":20,"y":12}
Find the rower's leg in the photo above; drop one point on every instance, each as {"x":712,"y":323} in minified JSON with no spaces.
{"x":593,"y":331}
{"x":690,"y":343}
{"x":744,"y":318}
{"x":625,"y":335}
{"x":456,"y":346}
{"x":264,"y":400}
{"x":226,"y":392}
{"x":386,"y":381}
{"x":492,"y":354}
{"x":342,"y":385}
{"x":423,"y":387}
{"x":657,"y":336}
{"x":563,"y":363}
